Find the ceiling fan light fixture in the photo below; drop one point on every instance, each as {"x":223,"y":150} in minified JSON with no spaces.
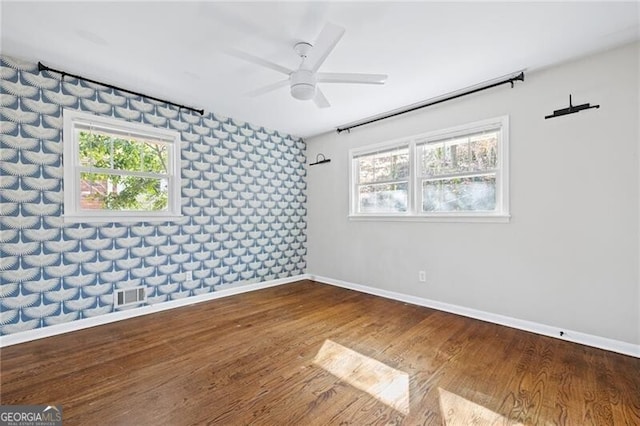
{"x":303,"y":84}
{"x":303,"y":91}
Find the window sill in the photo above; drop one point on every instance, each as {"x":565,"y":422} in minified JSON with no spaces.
{"x":502,"y":218}
{"x":87,"y":218}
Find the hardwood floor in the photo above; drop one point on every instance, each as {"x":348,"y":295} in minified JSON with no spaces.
{"x":264,"y":358}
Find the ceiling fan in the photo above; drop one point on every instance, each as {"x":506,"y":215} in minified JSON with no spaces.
{"x":303,"y":81}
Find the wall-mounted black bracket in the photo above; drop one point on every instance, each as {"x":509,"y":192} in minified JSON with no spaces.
{"x":572,"y":109}
{"x":320,"y":161}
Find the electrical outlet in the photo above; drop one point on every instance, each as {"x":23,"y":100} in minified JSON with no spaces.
{"x":422,"y":276}
{"x":188,"y":275}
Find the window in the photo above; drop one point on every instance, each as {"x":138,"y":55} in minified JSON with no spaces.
{"x":115,"y":170}
{"x":453,"y":174}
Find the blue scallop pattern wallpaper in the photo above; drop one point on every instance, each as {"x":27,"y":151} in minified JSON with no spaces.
{"x":243,"y":201}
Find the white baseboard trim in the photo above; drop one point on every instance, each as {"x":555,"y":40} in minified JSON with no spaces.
{"x":52,"y":330}
{"x":533,"y":327}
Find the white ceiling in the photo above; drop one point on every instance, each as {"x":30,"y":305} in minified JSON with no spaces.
{"x":175,"y":50}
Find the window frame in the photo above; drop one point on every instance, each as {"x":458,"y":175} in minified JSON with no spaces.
{"x":414,"y":209}
{"x":72,"y":168}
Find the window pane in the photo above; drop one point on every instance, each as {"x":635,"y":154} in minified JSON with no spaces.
{"x":126,"y":155}
{"x":445,"y":157}
{"x":476,"y":193}
{"x":474,"y":153}
{"x":108,"y":152}
{"x":365,"y":169}
{"x":484,"y":152}
{"x":385,"y":166}
{"x":114,"y":192}
{"x":383,"y":198}
{"x":94,"y":149}
{"x":155,"y":157}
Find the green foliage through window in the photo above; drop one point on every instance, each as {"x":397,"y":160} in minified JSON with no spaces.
{"x":123,"y":173}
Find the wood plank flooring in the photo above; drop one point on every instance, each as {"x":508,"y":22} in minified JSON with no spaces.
{"x":254,"y":359}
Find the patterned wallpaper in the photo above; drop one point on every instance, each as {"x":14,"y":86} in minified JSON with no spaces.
{"x":243,"y":200}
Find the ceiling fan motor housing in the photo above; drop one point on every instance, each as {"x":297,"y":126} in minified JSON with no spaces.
{"x":303,"y":84}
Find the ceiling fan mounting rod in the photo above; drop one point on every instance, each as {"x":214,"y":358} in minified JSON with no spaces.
{"x":302,"y":48}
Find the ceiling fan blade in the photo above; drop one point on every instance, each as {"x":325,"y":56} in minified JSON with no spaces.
{"x":336,"y":77}
{"x":268,"y":88}
{"x":327,"y":40}
{"x":320,"y":100}
{"x":259,"y":61}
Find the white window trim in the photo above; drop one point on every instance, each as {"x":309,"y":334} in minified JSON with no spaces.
{"x":72,"y":211}
{"x":413,"y":214}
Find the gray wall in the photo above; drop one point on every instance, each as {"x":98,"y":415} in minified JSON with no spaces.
{"x":568,"y":257}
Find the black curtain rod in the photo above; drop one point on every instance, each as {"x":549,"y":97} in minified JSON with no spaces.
{"x":510,"y":80}
{"x":43,"y":67}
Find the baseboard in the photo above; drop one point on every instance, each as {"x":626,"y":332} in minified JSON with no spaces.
{"x":543,"y":329}
{"x":52,"y":330}
{"x":618,"y":346}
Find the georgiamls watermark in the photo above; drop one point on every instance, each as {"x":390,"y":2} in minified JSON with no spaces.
{"x":30,"y":415}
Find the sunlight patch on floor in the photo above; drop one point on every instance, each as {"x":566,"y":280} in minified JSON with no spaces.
{"x":388,"y":385}
{"x":456,"y":410}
